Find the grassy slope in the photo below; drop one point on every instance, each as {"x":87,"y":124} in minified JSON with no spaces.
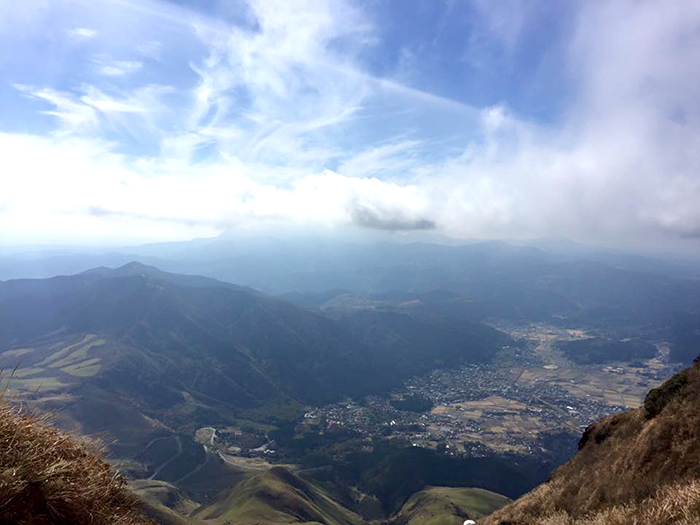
{"x":672,"y":505}
{"x":164,"y":502}
{"x":276,"y":497}
{"x":625,"y":461}
{"x":448,"y":506}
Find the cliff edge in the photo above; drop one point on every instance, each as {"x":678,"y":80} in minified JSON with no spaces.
{"x":641,"y":466}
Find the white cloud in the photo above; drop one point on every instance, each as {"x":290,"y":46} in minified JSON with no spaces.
{"x":622,"y":164}
{"x":151,"y":49}
{"x":282,"y":77}
{"x":82,"y":33}
{"x":90,"y":111}
{"x":388,"y":159}
{"x":64,"y":184}
{"x":117,"y":68}
{"x":71,"y":113}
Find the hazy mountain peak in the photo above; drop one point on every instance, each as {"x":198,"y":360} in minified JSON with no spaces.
{"x":135,"y":266}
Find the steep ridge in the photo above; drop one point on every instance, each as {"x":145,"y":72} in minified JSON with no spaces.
{"x":276,"y":496}
{"x":164,"y":502}
{"x":261,"y":347}
{"x":639,"y":465}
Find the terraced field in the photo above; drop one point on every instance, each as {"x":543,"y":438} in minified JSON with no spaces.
{"x":51,"y":366}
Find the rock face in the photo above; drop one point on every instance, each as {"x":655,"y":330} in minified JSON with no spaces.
{"x":646,"y":461}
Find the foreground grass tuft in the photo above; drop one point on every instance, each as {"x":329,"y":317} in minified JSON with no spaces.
{"x":49,"y":477}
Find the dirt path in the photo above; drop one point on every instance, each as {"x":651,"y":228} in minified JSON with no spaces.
{"x":173,"y":458}
{"x":197,"y":468}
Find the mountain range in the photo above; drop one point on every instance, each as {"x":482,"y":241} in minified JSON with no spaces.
{"x":176,"y":351}
{"x":555,"y":282}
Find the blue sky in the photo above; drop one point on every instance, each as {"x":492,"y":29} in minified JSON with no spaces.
{"x":136,"y":121}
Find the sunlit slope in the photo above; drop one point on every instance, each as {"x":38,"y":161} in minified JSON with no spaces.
{"x":276,"y":497}
{"x":164,"y":502}
{"x":448,"y":506}
{"x":640,"y":465}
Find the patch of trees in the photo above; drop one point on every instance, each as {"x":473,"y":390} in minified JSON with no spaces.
{"x":597,"y":350}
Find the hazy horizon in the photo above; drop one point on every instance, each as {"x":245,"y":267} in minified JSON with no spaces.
{"x":250,"y":238}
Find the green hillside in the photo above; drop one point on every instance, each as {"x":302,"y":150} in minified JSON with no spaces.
{"x":276,"y":497}
{"x":155,"y":335}
{"x":164,"y":502}
{"x":448,"y":506}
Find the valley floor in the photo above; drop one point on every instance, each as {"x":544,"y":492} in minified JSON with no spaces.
{"x":510,"y":405}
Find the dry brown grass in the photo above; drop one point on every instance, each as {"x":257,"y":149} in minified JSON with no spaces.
{"x":673,"y":505}
{"x":49,"y":477}
{"x":628,"y":469}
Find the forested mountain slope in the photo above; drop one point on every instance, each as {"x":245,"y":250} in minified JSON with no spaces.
{"x":162,"y":352}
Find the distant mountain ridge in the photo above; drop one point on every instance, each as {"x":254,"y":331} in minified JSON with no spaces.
{"x":491,"y":279}
{"x":135,"y":268}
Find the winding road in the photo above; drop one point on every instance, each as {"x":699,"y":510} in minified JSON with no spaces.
{"x":168,"y":461}
{"x":197,"y":468}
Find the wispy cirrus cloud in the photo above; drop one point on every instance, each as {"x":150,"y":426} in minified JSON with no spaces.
{"x":91,"y":112}
{"x":71,"y":113}
{"x":152,"y":49}
{"x":393,"y":158}
{"x":82,"y":33}
{"x":117,"y":68}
